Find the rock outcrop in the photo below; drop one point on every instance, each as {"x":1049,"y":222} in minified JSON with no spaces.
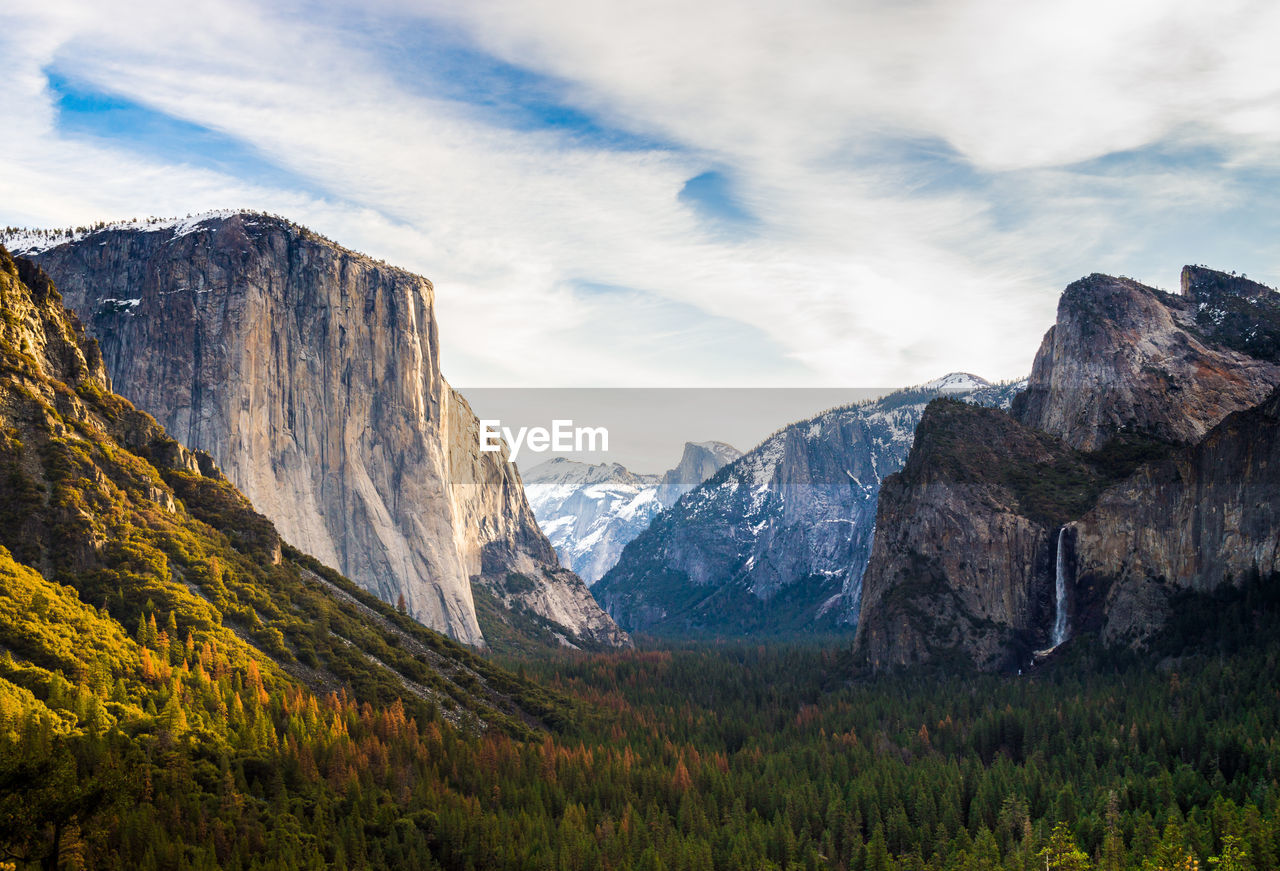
{"x":1143,"y":450}
{"x":1126,"y":357}
{"x":699,"y":462}
{"x":962,"y":569}
{"x":311,"y":374}
{"x":106,"y":521}
{"x":776,"y":542}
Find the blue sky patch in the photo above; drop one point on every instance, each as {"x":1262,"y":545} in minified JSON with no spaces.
{"x":712,"y":196}
{"x":84,"y":111}
{"x":440,"y":62}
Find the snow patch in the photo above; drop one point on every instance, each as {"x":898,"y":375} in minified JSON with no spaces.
{"x":957,"y":381}
{"x":23,"y":241}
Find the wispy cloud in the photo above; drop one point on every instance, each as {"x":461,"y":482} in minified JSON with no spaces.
{"x":712,"y":193}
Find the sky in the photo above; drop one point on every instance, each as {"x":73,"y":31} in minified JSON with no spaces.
{"x":663,"y":194}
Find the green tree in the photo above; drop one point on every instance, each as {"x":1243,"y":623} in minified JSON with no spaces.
{"x":1061,"y":853}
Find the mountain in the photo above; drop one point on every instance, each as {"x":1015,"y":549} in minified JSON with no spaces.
{"x":962,"y":568}
{"x":1133,"y":469}
{"x":109,"y":523}
{"x":1203,"y":517}
{"x":699,"y":462}
{"x":590,"y":512}
{"x":776,"y":541}
{"x":165,"y":658}
{"x":1123,"y":356}
{"x":179,"y":689}
{"x":311,"y":375}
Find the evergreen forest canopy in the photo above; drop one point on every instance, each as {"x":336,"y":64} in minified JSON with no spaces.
{"x":700,"y":757}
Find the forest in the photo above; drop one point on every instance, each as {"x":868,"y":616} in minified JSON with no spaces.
{"x":723,"y":756}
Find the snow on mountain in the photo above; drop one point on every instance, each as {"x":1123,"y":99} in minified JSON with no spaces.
{"x":25,"y":241}
{"x":590,"y":512}
{"x":956,"y":381}
{"x":776,"y":542}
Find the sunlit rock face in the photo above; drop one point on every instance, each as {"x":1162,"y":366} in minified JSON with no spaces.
{"x":312,"y":375}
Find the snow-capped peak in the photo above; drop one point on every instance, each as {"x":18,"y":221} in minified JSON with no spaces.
{"x":956,"y":381}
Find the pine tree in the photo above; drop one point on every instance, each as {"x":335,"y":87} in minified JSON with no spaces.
{"x":1061,"y":853}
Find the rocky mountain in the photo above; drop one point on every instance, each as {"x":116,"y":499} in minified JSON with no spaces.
{"x":776,"y":541}
{"x":1134,"y":466}
{"x":589,"y":512}
{"x":1123,"y":356}
{"x":699,"y":462}
{"x":107,"y":523}
{"x":962,"y":568}
{"x":311,"y":375}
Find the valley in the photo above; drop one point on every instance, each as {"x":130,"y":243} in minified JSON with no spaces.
{"x":963,"y":625}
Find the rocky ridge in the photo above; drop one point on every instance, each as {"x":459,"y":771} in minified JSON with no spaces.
{"x":1126,"y":357}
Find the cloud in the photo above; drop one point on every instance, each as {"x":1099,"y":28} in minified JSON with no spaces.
{"x":834,"y":193}
{"x":1011,"y":85}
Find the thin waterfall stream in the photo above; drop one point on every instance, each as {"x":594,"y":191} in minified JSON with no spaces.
{"x":1060,"y":627}
{"x":1060,"y":590}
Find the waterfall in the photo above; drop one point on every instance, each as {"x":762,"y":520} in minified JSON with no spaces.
{"x":1060,"y":589}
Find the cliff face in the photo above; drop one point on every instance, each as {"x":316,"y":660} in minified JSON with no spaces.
{"x":775,"y":542}
{"x":106,"y":521}
{"x":1140,"y":450}
{"x":1205,"y":516}
{"x":312,"y":376}
{"x":699,"y":462}
{"x":961,"y":569}
{"x":1124,"y":356}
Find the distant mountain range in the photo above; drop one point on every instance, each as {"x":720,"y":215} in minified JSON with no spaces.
{"x":590,"y":512}
{"x":776,"y":542}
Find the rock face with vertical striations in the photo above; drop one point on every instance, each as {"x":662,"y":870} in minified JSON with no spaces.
{"x":1203,"y":516}
{"x":699,"y":462}
{"x":311,"y":374}
{"x":1144,"y":448}
{"x":962,"y":566}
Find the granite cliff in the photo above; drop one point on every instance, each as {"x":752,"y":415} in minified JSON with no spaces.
{"x":962,"y":569}
{"x":1124,"y":356}
{"x":1203,"y":516}
{"x":698,"y":462}
{"x":1136,"y":464}
{"x":311,"y":374}
{"x":107,"y":522}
